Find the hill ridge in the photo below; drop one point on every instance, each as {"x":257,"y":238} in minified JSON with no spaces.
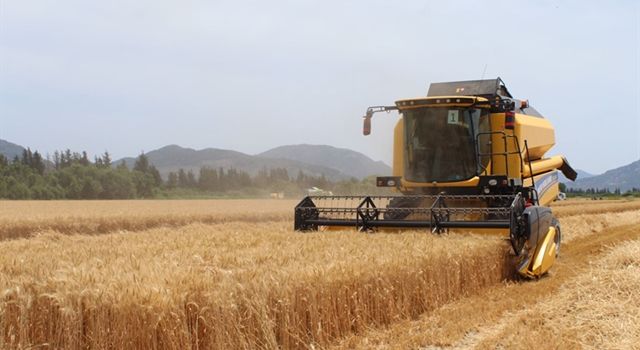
{"x":10,"y":149}
{"x":345,"y":160}
{"x":173,"y":157}
{"x":624,"y":178}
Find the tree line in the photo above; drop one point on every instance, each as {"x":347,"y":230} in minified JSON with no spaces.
{"x":604,"y":192}
{"x":73,"y":175}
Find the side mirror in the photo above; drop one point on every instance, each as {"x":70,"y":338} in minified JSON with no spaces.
{"x":366,"y":127}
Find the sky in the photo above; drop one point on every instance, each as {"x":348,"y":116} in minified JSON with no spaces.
{"x":133,"y":76}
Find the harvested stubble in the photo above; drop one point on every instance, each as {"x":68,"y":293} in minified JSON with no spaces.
{"x":596,"y":310}
{"x":234,"y":285}
{"x":24,"y":218}
{"x":577,"y":207}
{"x":577,"y":226}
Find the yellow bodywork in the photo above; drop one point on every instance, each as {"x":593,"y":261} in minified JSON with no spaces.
{"x":469,"y":162}
{"x":538,"y":133}
{"x":520,"y":161}
{"x":542,"y":259}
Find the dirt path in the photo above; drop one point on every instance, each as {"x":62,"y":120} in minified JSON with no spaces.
{"x":597,"y":309}
{"x":575,"y":260}
{"x":469,"y":322}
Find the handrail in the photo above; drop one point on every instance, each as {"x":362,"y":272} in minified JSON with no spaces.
{"x":505,"y":154}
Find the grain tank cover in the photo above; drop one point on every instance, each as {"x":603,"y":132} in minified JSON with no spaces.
{"x":488,"y":88}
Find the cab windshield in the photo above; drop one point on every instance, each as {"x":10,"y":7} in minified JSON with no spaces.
{"x":440,"y":143}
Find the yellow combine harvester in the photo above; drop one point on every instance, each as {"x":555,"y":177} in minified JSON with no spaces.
{"x":467,"y":156}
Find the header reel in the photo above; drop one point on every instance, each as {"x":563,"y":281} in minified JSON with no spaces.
{"x":526,"y":224}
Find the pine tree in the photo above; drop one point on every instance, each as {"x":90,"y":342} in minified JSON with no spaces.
{"x":37,"y":163}
{"x":208,"y":179}
{"x":157,"y":179}
{"x":191,"y":180}
{"x":27,"y":157}
{"x":56,"y":160}
{"x":106,"y":159}
{"x":68,"y":158}
{"x":182,"y":178}
{"x":84,"y":159}
{"x":142,"y":163}
{"x":172,"y":180}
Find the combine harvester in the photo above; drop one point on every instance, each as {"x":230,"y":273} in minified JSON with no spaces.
{"x":467,"y":156}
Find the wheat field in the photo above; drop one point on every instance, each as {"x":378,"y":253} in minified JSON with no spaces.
{"x":24,"y":218}
{"x":221,"y":274}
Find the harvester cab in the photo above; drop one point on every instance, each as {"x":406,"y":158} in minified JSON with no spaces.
{"x":468,"y":156}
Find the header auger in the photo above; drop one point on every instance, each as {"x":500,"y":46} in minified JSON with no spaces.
{"x":468,"y":156}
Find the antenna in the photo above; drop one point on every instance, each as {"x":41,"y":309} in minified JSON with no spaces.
{"x":484,"y":71}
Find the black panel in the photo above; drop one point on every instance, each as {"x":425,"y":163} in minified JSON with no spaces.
{"x":485,"y":88}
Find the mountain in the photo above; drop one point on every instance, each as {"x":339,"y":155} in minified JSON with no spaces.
{"x":624,"y":178}
{"x":173,"y":157}
{"x":581,"y":175}
{"x":346,"y":161}
{"x":10,"y":150}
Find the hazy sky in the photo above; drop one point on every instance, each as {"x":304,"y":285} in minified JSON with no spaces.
{"x":128,"y":76}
